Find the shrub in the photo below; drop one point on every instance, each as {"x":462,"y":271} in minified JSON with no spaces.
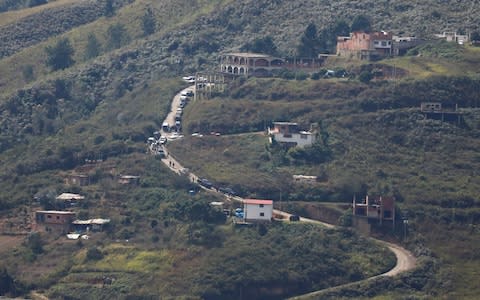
{"x":94,"y":253}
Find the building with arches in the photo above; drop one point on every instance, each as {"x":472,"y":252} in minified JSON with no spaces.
{"x":250,"y":64}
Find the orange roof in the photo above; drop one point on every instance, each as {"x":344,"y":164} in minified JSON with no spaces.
{"x":258,"y":201}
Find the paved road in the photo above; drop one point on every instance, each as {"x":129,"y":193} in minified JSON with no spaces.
{"x":405,"y":260}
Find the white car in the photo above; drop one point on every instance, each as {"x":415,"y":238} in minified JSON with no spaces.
{"x":189,"y":79}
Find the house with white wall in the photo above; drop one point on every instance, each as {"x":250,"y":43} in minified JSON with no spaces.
{"x":289,"y":134}
{"x":256,"y":210}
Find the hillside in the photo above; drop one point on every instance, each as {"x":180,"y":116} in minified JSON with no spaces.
{"x":95,"y":115}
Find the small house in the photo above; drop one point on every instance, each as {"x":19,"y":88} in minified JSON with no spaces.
{"x":289,"y":134}
{"x":256,"y":210}
{"x":129,"y":179}
{"x":77,"y":179}
{"x":54,"y":220}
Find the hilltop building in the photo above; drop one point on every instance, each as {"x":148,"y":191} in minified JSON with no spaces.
{"x":374,"y":45}
{"x":453,"y":37}
{"x":289,"y":134}
{"x":363,"y":45}
{"x":263,"y":65}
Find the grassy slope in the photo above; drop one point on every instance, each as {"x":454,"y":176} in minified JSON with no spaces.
{"x":10,"y":70}
{"x":12,"y":16}
{"x":433,"y":163}
{"x":130,"y":16}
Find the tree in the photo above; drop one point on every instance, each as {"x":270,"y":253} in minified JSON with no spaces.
{"x":117,"y":36}
{"x":262,"y":45}
{"x":475,"y":36}
{"x":33,"y":3}
{"x":60,"y":55}
{"x":109,"y":11}
{"x":309,"y":42}
{"x":7,"y":284}
{"x":361,"y":23}
{"x":149,"y":23}
{"x":93,"y":46}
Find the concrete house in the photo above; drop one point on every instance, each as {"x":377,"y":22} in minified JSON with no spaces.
{"x":376,"y":208}
{"x":453,"y":37}
{"x":77,"y":179}
{"x":363,"y":45}
{"x":53,"y":221}
{"x":289,"y":134}
{"x":256,"y":210}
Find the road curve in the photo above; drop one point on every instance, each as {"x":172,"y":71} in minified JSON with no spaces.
{"x":405,"y":259}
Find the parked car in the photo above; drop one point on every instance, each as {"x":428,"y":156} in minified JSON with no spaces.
{"x":190,"y":93}
{"x":189,"y":79}
{"x":205,"y":183}
{"x":163,"y":140}
{"x":227,"y":191}
{"x":294,"y":218}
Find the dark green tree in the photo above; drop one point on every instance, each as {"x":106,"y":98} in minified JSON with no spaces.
{"x":117,"y":36}
{"x":361,"y":23}
{"x":59,"y":57}
{"x":264,"y":45}
{"x":149,"y":24}
{"x":109,"y":10}
{"x":93,"y":46}
{"x":33,"y":3}
{"x":6,"y":282}
{"x":309,"y":42}
{"x":475,"y":36}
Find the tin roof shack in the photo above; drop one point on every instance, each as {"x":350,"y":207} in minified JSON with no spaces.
{"x":53,"y":221}
{"x":94,"y":225}
{"x":77,"y":179}
{"x":69,"y":199}
{"x":256,"y":210}
{"x":304,"y":179}
{"x":129,"y":179}
{"x":289,"y":134}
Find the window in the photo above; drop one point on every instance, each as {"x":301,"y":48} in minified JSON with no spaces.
{"x":304,"y":136}
{"x":49,"y":216}
{"x":260,"y":205}
{"x":262,"y":214}
{"x":58,"y":217}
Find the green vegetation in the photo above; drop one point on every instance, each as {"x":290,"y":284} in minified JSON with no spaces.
{"x":93,"y":116}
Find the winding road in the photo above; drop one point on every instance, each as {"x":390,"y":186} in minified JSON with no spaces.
{"x":405,"y":259}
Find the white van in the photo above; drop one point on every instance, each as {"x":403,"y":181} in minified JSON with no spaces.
{"x":166,"y":127}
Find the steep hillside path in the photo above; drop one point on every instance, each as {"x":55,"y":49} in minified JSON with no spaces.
{"x":405,"y":259}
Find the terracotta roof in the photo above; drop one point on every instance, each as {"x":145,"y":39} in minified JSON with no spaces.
{"x":258,"y":201}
